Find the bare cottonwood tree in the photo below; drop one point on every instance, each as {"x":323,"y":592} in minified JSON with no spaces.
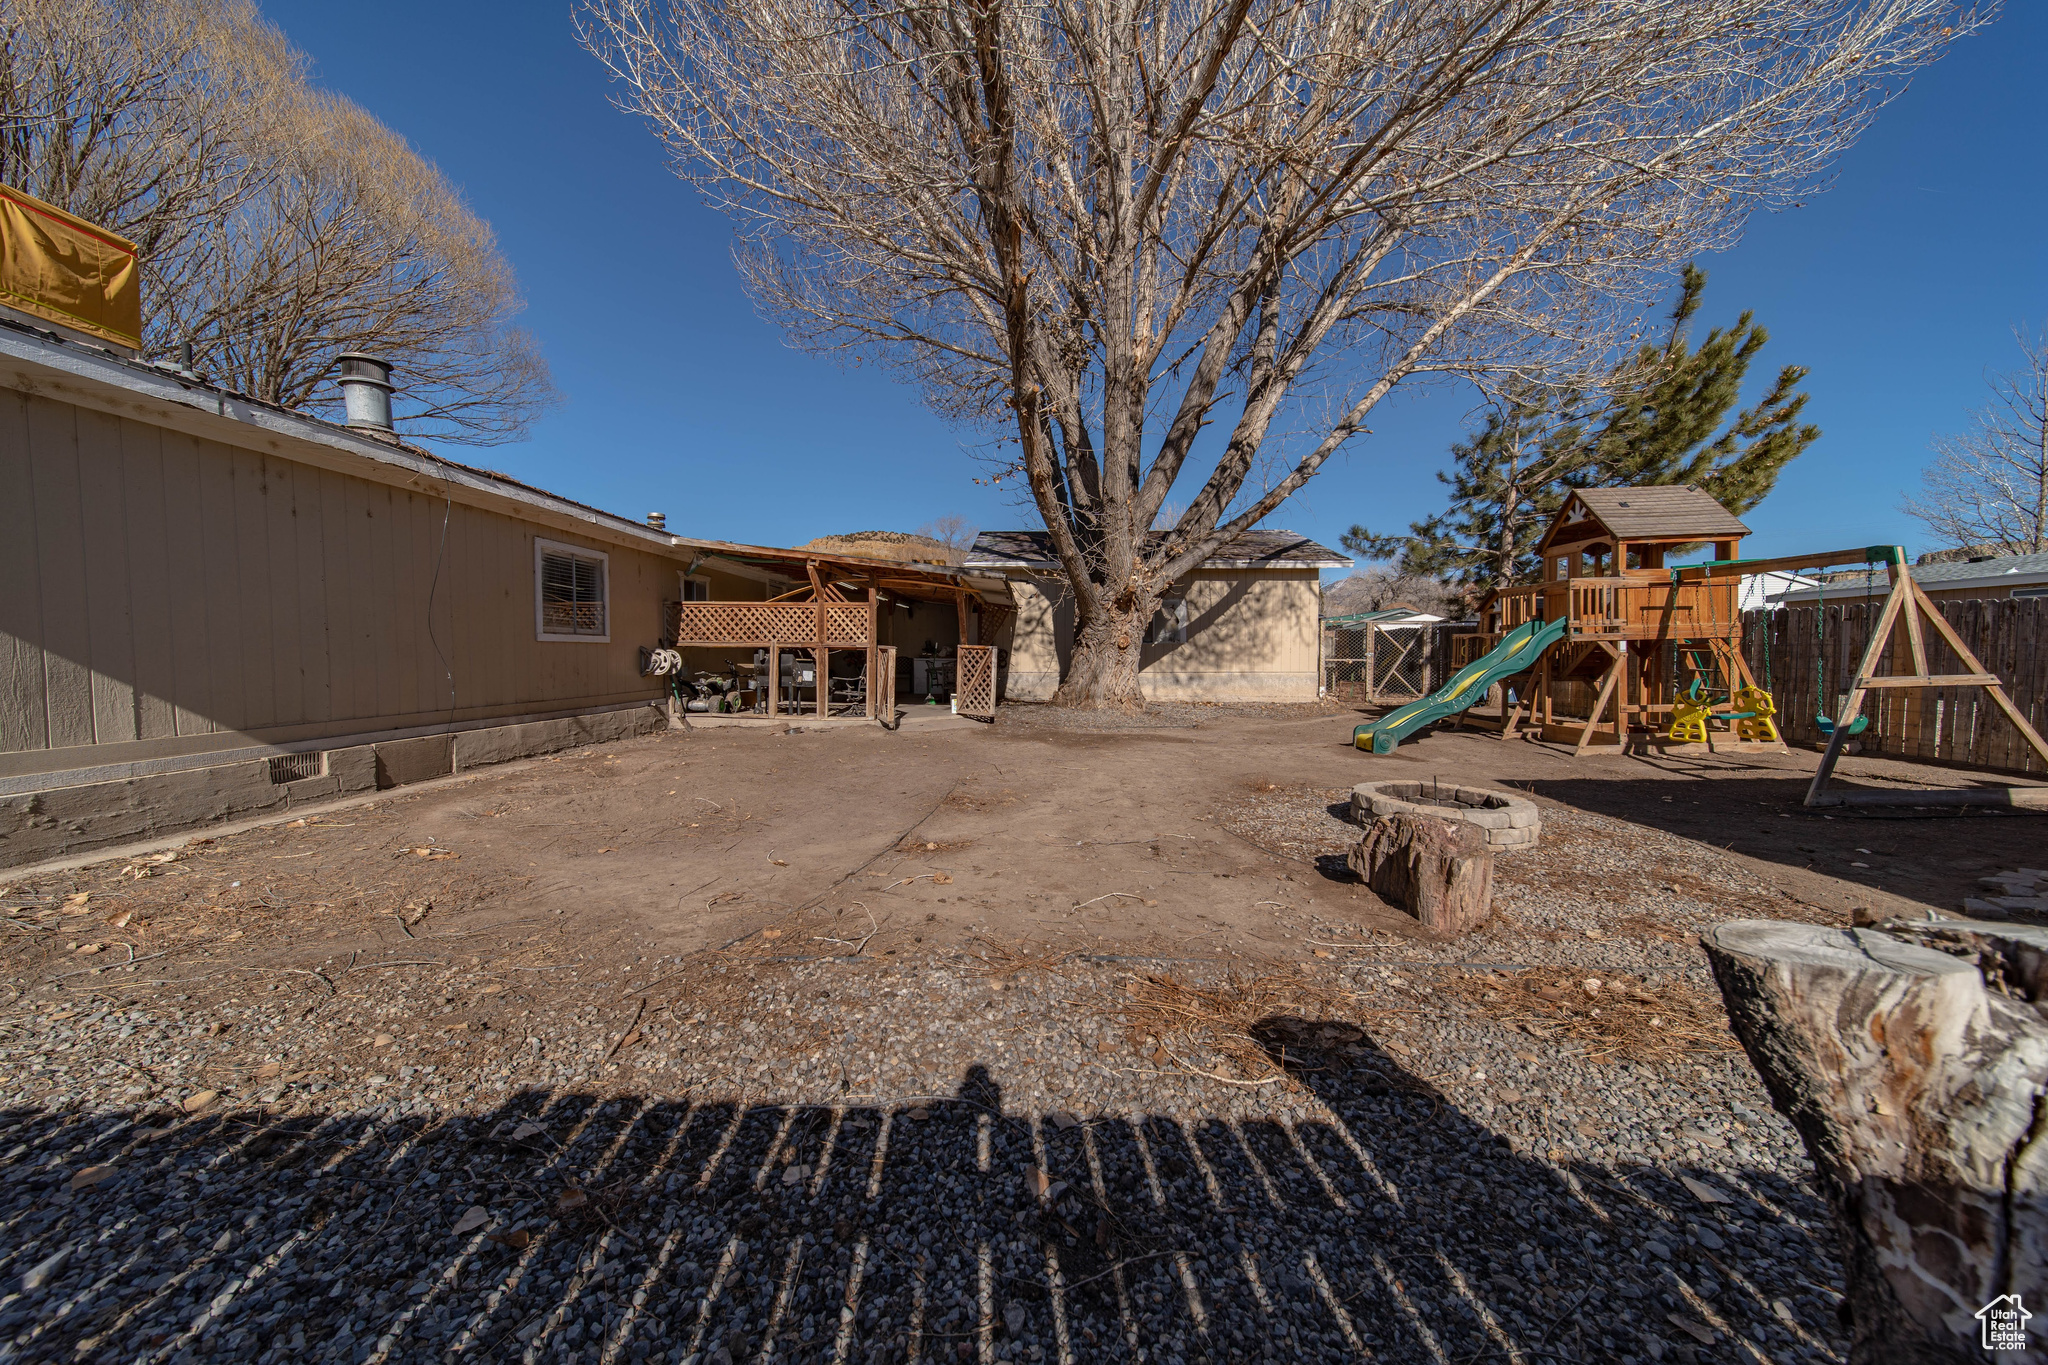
{"x":278,"y":226}
{"x":352,"y":241}
{"x":1989,"y":486}
{"x":1116,"y":224}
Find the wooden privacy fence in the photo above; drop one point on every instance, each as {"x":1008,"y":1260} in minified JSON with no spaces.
{"x":1958,"y":725}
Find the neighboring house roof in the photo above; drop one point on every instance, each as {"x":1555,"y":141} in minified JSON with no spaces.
{"x":2001,"y":573}
{"x":1996,"y":569}
{"x":1247,"y":550}
{"x":1656,"y":512}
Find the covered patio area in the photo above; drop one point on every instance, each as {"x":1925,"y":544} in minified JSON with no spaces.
{"x":836,"y":635}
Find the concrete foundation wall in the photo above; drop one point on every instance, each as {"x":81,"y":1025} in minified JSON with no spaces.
{"x":67,"y":820}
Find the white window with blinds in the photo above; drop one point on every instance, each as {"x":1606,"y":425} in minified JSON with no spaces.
{"x":571,"y":592}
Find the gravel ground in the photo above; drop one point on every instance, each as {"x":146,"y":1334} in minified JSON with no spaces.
{"x":994,"y":1151}
{"x":1442,"y":1192}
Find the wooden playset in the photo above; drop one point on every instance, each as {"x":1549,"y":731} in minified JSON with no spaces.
{"x":1660,"y":646}
{"x":1662,"y":657}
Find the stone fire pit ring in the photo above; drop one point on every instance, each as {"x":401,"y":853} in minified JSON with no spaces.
{"x":1510,"y":821}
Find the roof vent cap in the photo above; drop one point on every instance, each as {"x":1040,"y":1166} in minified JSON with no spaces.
{"x":658,"y":520}
{"x":366,"y":387}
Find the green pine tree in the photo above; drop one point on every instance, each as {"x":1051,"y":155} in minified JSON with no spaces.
{"x":1669,"y":404}
{"x":1657,"y":420}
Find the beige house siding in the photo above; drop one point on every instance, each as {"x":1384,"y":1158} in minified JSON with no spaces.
{"x":1252,"y":636}
{"x":162,"y":593}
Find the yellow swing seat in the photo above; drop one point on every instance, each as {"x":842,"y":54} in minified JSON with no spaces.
{"x":1689,"y":723}
{"x":1758,"y":725}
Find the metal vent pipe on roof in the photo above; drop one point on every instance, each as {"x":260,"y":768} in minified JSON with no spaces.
{"x":658,"y":520}
{"x":366,"y":388}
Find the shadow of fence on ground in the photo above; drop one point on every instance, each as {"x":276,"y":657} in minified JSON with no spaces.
{"x":628,"y":1229}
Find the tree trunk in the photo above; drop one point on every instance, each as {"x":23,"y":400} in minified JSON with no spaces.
{"x":1439,"y":871}
{"x":1103,"y":669}
{"x":1913,"y":1061}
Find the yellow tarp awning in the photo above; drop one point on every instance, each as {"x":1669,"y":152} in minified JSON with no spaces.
{"x":66,"y":270}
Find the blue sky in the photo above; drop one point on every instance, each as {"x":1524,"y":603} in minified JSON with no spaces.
{"x":1898,"y":288}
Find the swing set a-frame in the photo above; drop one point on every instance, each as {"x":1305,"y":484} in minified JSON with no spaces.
{"x":1908,"y":605}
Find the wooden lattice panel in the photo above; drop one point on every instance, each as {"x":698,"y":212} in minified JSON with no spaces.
{"x":790,"y":622}
{"x":974,"y":692}
{"x":846,"y":624}
{"x":715,"y":623}
{"x":762,"y":623}
{"x":994,"y":616}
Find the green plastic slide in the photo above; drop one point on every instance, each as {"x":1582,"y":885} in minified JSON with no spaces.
{"x":1517,"y":652}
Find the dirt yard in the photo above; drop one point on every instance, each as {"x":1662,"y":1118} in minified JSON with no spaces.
{"x":1057,"y":1039}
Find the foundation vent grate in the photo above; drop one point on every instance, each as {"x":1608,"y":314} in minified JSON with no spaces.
{"x":297,"y":767}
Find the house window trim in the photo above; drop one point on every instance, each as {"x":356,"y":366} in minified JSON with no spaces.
{"x":541,"y":547}
{"x":683,"y":582}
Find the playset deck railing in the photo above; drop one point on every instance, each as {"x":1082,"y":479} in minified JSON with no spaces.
{"x":1627,"y":608}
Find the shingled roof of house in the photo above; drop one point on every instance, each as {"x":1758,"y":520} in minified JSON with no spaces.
{"x":1660,"y":512}
{"x":1246,"y":550}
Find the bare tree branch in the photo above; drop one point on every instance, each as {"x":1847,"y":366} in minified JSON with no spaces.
{"x":1988,"y":488}
{"x":1111,"y":227}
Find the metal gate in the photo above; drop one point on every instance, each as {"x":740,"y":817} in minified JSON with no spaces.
{"x":1345,"y":674}
{"x":1400,"y":662}
{"x":974,"y":692}
{"x":1391,"y":662}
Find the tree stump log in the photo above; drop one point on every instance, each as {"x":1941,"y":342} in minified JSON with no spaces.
{"x":1913,"y":1060}
{"x":1439,"y":871}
